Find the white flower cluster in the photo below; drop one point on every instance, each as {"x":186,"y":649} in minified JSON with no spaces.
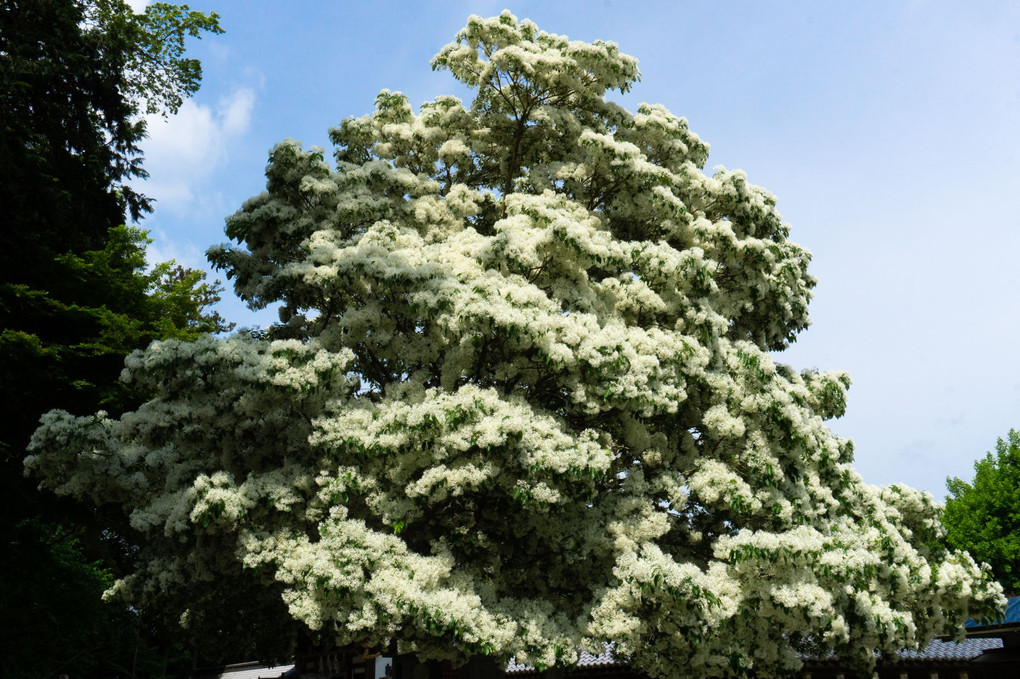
{"x":521,"y":400}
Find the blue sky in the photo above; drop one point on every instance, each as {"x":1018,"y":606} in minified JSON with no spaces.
{"x":889,"y":131}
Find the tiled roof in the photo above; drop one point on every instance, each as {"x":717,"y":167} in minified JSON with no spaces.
{"x":935,"y":650}
{"x":248,"y":671}
{"x":587,"y":660}
{"x":953,"y":650}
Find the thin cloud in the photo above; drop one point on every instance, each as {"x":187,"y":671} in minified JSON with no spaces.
{"x":183,"y":152}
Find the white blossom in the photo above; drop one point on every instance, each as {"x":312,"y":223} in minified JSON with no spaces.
{"x":523,"y":399}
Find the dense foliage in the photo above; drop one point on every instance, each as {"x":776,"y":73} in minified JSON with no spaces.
{"x":522,"y":400}
{"x":76,"y":297}
{"x":983,"y":516}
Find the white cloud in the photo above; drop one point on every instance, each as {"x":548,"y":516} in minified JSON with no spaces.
{"x":236,"y":112}
{"x":183,"y":152}
{"x":164,"y":248}
{"x":137,"y":6}
{"x":187,"y":157}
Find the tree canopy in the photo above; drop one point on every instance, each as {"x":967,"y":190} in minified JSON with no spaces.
{"x":983,"y":516}
{"x":522,"y":400}
{"x":75,"y":77}
{"x":77,"y":296}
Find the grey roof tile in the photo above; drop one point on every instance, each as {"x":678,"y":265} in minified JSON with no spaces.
{"x":935,"y":650}
{"x":250,"y":671}
{"x":604,"y":659}
{"x":953,"y":650}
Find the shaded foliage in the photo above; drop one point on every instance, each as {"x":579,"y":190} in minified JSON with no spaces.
{"x":76,"y":297}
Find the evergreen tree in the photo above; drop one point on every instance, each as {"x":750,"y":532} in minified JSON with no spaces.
{"x":76,"y":297}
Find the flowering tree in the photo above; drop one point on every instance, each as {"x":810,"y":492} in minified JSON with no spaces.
{"x":522,"y":399}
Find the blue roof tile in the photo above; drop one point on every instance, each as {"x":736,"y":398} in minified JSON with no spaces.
{"x":1012,"y":616}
